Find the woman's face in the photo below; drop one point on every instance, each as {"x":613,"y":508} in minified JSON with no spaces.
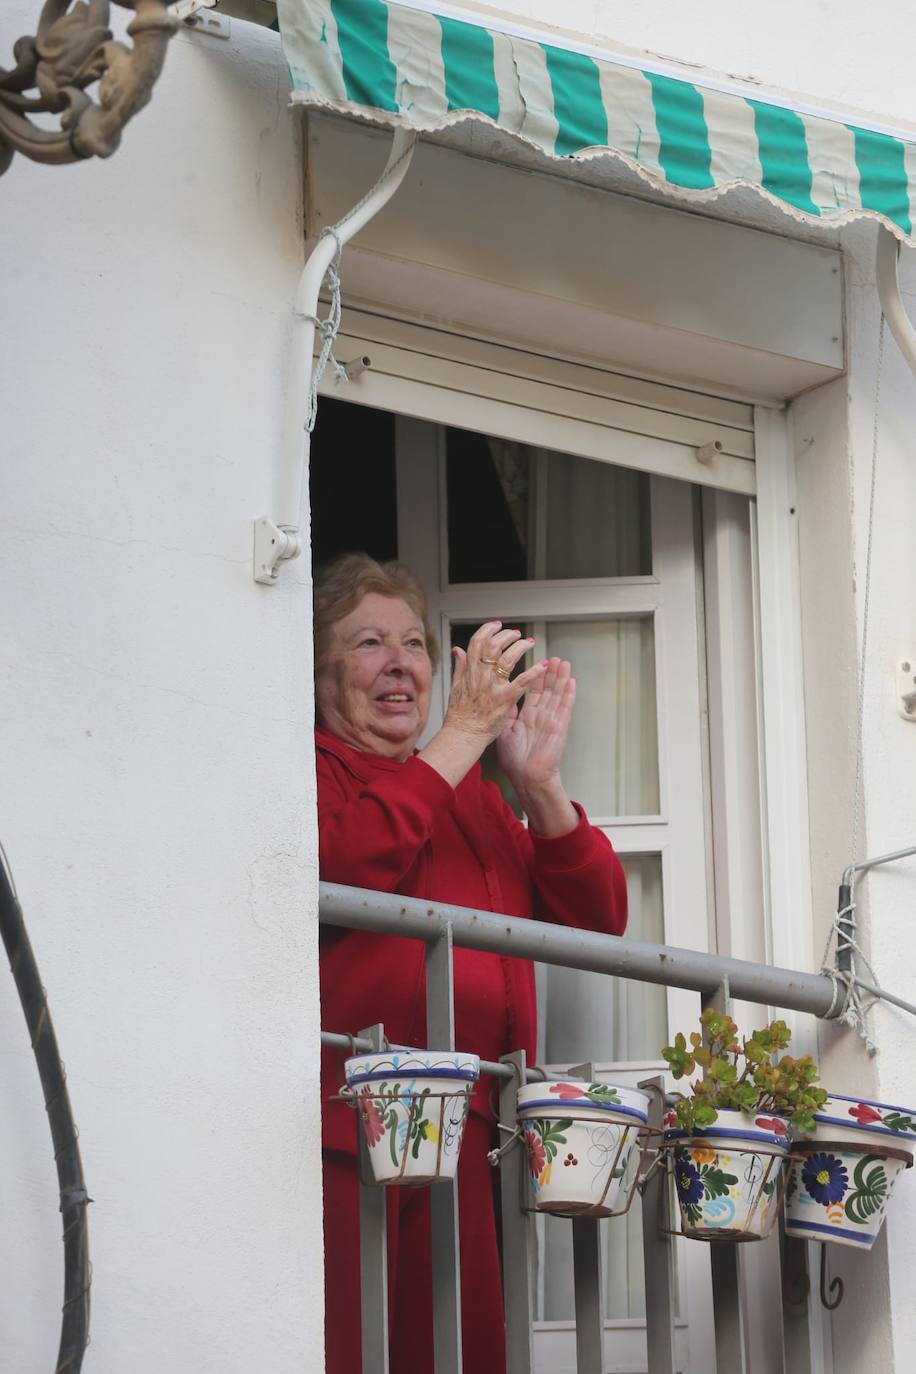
{"x":373,"y":685}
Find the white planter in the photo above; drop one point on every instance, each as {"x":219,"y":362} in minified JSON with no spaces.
{"x":840,"y":1190}
{"x":412,"y":1106}
{"x":727,"y":1176}
{"x":580,"y":1139}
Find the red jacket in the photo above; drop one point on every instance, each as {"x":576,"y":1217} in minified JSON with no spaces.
{"x":400,"y":827}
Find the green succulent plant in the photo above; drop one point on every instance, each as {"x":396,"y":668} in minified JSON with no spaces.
{"x":745,"y":1074}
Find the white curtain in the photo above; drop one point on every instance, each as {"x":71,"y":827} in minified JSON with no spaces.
{"x":589,"y":1017}
{"x":598,"y":526}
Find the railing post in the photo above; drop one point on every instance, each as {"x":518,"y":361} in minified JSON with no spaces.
{"x":587,"y":1278}
{"x":731,"y":1354}
{"x":373,"y":1249}
{"x":796,"y":1299}
{"x":443,"y":1199}
{"x":658,"y":1247}
{"x":517,"y":1232}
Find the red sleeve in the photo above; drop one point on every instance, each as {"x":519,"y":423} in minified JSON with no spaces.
{"x":578,"y":879}
{"x":371,"y":833}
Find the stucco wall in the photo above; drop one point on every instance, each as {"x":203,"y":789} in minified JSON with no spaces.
{"x":834,"y":52}
{"x":833,"y":432}
{"x":156,"y":707}
{"x":157,"y":775}
{"x":889,"y":742}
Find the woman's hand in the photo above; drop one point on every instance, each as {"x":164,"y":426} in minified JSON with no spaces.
{"x":531,"y":746}
{"x":483,"y":697}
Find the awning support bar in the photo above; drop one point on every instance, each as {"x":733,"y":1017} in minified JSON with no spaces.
{"x":274,"y":542}
{"x":889,"y":295}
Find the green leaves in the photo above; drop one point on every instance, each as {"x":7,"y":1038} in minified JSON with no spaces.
{"x":681,"y":1061}
{"x":866,"y":1198}
{"x":602,"y":1092}
{"x":743,"y":1074}
{"x":716,"y":1181}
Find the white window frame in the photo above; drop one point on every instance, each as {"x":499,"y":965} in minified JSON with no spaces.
{"x":435,"y":375}
{"x":669,"y":596}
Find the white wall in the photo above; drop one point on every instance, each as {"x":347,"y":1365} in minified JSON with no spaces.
{"x":889,"y":751}
{"x":837,"y":50}
{"x":157,"y":800}
{"x":833,"y":432}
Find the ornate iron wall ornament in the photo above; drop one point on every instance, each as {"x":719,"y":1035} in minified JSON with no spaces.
{"x":72,"y":50}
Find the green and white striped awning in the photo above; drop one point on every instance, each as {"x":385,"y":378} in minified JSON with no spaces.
{"x":426,"y":66}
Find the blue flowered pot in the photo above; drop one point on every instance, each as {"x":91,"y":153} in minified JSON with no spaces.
{"x":840,"y":1189}
{"x":581,"y":1141}
{"x":727,"y":1176}
{"x":412,"y":1106}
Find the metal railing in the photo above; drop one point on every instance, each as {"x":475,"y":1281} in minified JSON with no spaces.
{"x":715,"y":978}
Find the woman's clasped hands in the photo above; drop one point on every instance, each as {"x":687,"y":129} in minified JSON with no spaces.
{"x":531,"y":738}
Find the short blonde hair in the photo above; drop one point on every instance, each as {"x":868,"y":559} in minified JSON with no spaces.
{"x":342,"y":584}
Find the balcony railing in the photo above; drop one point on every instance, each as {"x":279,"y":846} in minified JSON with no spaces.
{"x":715,"y":978}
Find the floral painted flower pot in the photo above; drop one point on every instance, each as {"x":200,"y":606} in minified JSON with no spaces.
{"x":727,"y":1176}
{"x":580,"y":1138}
{"x":412,"y":1105}
{"x":840,"y":1189}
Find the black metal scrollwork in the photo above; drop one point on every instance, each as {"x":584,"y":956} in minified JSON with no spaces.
{"x":72,"y":50}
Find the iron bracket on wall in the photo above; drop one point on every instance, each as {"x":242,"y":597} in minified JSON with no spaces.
{"x":72,"y":50}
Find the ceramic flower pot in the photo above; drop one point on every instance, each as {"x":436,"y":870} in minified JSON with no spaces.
{"x":840,"y":1189}
{"x":727,"y":1176}
{"x":412,"y":1106}
{"x":580,"y":1138}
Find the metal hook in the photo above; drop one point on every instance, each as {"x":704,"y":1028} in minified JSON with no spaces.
{"x":836,"y":1286}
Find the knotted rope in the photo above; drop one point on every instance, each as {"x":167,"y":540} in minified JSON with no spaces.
{"x":847,"y":1004}
{"x":326,"y":330}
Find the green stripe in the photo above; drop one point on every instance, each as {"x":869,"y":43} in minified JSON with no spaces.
{"x":883,"y":182}
{"x":783,"y":150}
{"x":577,"y":102}
{"x":470,"y":79}
{"x":684,"y":154}
{"x":368,"y":72}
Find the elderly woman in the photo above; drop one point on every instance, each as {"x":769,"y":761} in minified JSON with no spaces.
{"x":425,"y":824}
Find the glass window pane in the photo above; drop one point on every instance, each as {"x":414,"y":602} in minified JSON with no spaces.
{"x":597,"y":520}
{"x":517,"y":513}
{"x":589,"y":1017}
{"x":488,"y":483}
{"x":611,"y":763}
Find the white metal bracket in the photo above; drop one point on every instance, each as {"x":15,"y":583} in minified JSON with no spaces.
{"x":271,"y":546}
{"x":189,"y":12}
{"x":906,"y":688}
{"x":274,"y":542}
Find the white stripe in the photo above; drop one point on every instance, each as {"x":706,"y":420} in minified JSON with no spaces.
{"x":415,"y":48}
{"x":732,"y":139}
{"x":539,"y":123}
{"x":311,"y":47}
{"x":909,"y":164}
{"x":627,"y":99}
{"x":511,"y":105}
{"x":832,"y":159}
{"x":645,"y":63}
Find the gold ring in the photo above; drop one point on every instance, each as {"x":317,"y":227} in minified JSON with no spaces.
{"x":500,"y":671}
